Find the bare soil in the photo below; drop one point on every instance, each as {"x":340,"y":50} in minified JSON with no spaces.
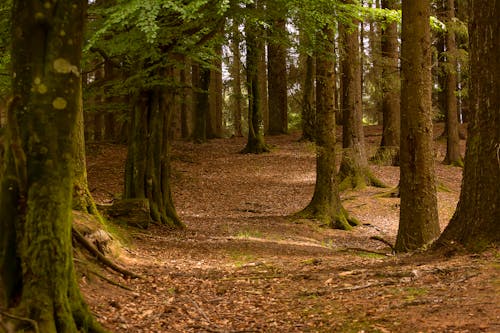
{"x":242,"y":265}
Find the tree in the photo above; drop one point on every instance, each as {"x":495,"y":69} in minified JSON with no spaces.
{"x":237,"y":96}
{"x":453,"y":155}
{"x":418,"y":223}
{"x":148,"y":52}
{"x":475,"y":223}
{"x":389,"y":145}
{"x":255,"y":143}
{"x":325,"y":204}
{"x":37,"y":274}
{"x":354,"y":171}
{"x":201,"y":83}
{"x":276,"y":71}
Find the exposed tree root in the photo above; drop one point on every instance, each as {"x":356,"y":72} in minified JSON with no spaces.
{"x":386,"y":156}
{"x":33,"y":323}
{"x":386,"y":242}
{"x":358,"y":179}
{"x":341,"y":221}
{"x":103,"y":259}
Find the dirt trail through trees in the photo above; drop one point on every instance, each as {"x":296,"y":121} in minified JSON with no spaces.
{"x":242,"y":266}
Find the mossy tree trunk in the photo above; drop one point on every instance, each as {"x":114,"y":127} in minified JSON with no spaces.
{"x":255,"y":143}
{"x":82,"y":198}
{"x":418,"y":223}
{"x":277,"y":73}
{"x":37,"y":274}
{"x":453,"y":155}
{"x":475,"y":223}
{"x":388,"y":152}
{"x":147,"y":171}
{"x":325,"y":205}
{"x":354,"y":170}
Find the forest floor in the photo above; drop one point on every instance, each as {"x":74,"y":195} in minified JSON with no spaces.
{"x":241,"y":265}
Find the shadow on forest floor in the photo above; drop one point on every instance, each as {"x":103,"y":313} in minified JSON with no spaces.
{"x":242,"y":266}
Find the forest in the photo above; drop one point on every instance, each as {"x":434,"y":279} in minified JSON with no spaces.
{"x":249,"y":166}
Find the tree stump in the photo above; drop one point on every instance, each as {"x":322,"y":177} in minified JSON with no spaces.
{"x":132,"y":212}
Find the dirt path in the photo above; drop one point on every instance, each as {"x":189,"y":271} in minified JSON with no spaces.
{"x":242,"y":266}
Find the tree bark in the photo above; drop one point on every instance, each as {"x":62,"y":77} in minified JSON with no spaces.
{"x":453,"y":155}
{"x":325,"y":205}
{"x":37,"y":274}
{"x":418,"y":223}
{"x":308,"y":102}
{"x":255,"y":143}
{"x":215,"y":95}
{"x":237,"y":96}
{"x":277,"y":78}
{"x":201,"y":84}
{"x":475,"y":224}
{"x":147,"y":170}
{"x":354,"y":171}
{"x":388,"y":153}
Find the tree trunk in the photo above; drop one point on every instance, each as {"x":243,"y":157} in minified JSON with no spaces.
{"x":418,"y":223}
{"x":237,"y":95}
{"x":325,"y":204}
{"x":82,"y":198}
{"x":354,"y":171}
{"x":147,"y":171}
{"x":215,"y":93}
{"x":201,"y":84}
{"x":185,"y":100}
{"x":453,"y":155}
{"x":260,"y":45}
{"x":255,"y":143}
{"x":308,"y":104}
{"x":475,"y":223}
{"x":277,"y":78}
{"x":388,"y":153}
{"x":37,"y":274}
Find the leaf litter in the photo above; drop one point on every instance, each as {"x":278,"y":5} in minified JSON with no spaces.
{"x":242,"y":265}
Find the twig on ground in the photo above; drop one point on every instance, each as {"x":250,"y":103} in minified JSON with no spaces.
{"x":359,"y":249}
{"x":364,"y":286}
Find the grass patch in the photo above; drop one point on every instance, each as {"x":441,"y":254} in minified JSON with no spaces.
{"x":240,"y":258}
{"x":245,"y":234}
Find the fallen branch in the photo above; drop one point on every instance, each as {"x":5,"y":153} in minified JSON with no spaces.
{"x":364,"y":286}
{"x":359,"y":249}
{"x":107,"y":262}
{"x":33,"y":323}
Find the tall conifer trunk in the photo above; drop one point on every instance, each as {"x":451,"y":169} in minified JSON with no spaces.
{"x":475,"y":223}
{"x":277,"y":75}
{"x":354,"y":171}
{"x":147,"y":170}
{"x":255,"y":143}
{"x":418,"y":223}
{"x":388,"y":153}
{"x":37,"y":279}
{"x":453,"y":155}
{"x":325,"y":204}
